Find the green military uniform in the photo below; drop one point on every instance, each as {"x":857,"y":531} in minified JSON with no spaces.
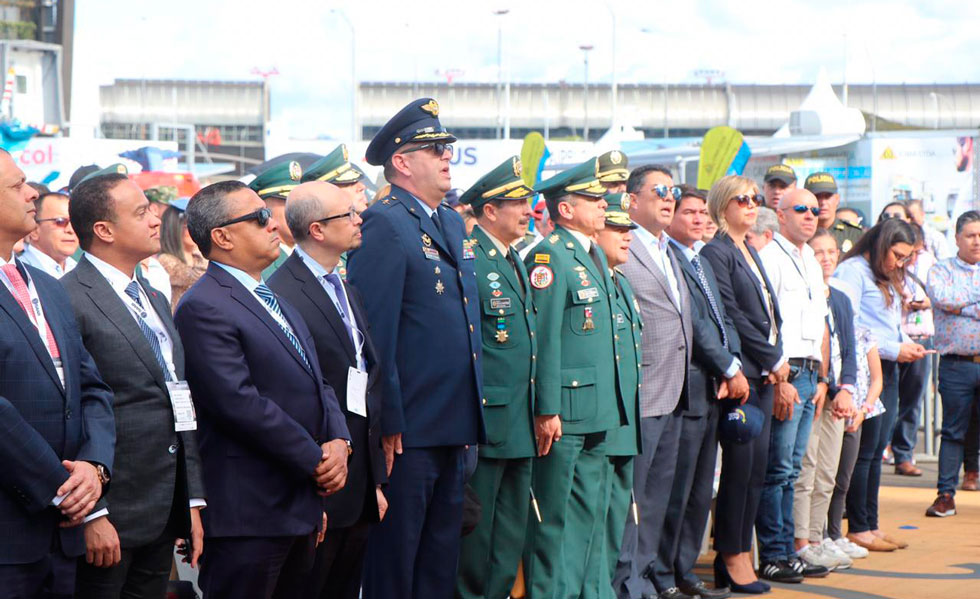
{"x":843,"y":232}
{"x":613,"y":167}
{"x":576,"y":380}
{"x":622,"y":443}
{"x":490,"y":554}
{"x":275,"y":183}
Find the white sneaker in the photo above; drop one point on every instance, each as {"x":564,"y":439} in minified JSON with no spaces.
{"x":814,"y":555}
{"x":852,"y":550}
{"x":843,"y":561}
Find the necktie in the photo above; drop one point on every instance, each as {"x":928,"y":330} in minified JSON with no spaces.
{"x":23,"y":298}
{"x":595,"y":256}
{"x":436,"y":220}
{"x":517,"y":272}
{"x":270,"y":299}
{"x":343,"y":308}
{"x":712,"y":303}
{"x":132,"y":290}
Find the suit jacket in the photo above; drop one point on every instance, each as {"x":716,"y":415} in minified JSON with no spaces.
{"x":419,"y":289}
{"x":154,"y":466}
{"x":295,"y":283}
{"x":262,"y":412}
{"x":507,"y":317}
{"x":745,"y":303}
{"x":43,"y":423}
{"x":667,"y":352}
{"x":710,"y":358}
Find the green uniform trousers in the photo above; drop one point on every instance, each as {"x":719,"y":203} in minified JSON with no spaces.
{"x":489,"y":555}
{"x":569,"y":489}
{"x":607,"y":537}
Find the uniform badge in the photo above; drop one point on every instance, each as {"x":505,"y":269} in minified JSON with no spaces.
{"x":426,"y":240}
{"x":495,"y":285}
{"x":496,"y":293}
{"x":501,"y":336}
{"x":570,"y":245}
{"x":541,"y":277}
{"x":440,"y":288}
{"x":432,"y":107}
{"x":542,"y":258}
{"x":343,"y":272}
{"x":624,"y":202}
{"x":500,"y":304}
{"x":431,"y":253}
{"x":846,"y":246}
{"x":437,"y":270}
{"x":579,"y":269}
{"x":615,"y":157}
{"x":589,"y":324}
{"x":492,"y":253}
{"x":468,"y":253}
{"x":588,"y":294}
{"x":585,"y":283}
{"x":517,"y":166}
{"x":386,"y":201}
{"x":554,"y":238}
{"x":295,"y":171}
{"x":493,"y":276}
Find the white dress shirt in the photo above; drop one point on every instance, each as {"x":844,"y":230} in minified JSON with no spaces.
{"x":658,"y":248}
{"x":38,"y":259}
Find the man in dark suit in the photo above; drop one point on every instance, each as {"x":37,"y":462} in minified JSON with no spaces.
{"x":715,"y":372}
{"x":56,"y":426}
{"x":422,"y":304}
{"x":127,"y":327}
{"x":325,"y":224}
{"x":271,"y":433}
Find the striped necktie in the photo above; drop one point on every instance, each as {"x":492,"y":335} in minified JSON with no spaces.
{"x":712,"y":303}
{"x":132,"y":290}
{"x":270,"y":299}
{"x":23,"y":297}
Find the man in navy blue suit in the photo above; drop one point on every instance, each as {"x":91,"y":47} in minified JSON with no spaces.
{"x":417,"y":276}
{"x":273,"y":439}
{"x":57,"y":433}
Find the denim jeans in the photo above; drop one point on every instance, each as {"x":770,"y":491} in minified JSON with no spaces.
{"x":913,"y":380}
{"x":959,"y":385}
{"x":787,"y":444}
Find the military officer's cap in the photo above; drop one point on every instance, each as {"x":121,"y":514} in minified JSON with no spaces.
{"x":115,"y":169}
{"x":417,"y":122}
{"x":822,"y":182}
{"x":161,"y":194}
{"x":618,"y":211}
{"x":80,"y":173}
{"x":502,"y":183}
{"x":582,"y":180}
{"x":277,"y":181}
{"x":361,"y":175}
{"x":781,"y":172}
{"x":334,"y":168}
{"x":613,"y":167}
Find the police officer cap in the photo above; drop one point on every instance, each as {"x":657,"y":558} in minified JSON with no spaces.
{"x":503,"y":182}
{"x":781,"y":172}
{"x":613,"y":167}
{"x":741,"y":424}
{"x":822,"y":182}
{"x":277,"y":181}
{"x":618,"y":211}
{"x":115,"y":169}
{"x":334,"y":168}
{"x":582,"y":180}
{"x":417,"y":122}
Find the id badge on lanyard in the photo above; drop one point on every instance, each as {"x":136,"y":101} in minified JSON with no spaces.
{"x":185,"y":418}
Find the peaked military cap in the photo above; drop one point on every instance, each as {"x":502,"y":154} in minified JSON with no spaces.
{"x":618,"y":210}
{"x":503,"y":182}
{"x":115,"y":169}
{"x":417,"y":122}
{"x":582,"y":180}
{"x":613,"y":167}
{"x":277,"y":181}
{"x":361,"y":175}
{"x":161,"y":194}
{"x":780,"y":171}
{"x":822,"y":182}
{"x":80,"y":173}
{"x":334,"y":168}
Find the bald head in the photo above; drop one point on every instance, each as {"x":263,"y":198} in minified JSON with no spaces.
{"x":312,"y":201}
{"x":797,"y":196}
{"x":797,"y":221}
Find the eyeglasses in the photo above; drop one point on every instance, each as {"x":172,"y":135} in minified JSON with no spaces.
{"x":350,"y":215}
{"x":438,"y":148}
{"x":60,"y":221}
{"x":746,"y":199}
{"x":900,"y":259}
{"x":663,"y":191}
{"x":800,"y":209}
{"x":888,"y":215}
{"x":261,"y":216}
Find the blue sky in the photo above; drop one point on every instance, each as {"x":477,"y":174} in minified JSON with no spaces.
{"x":751,"y":41}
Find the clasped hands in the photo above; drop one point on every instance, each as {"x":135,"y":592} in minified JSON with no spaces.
{"x":331,"y":473}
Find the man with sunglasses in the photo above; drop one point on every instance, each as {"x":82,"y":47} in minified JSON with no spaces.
{"x":665,"y":305}
{"x":273,"y":438}
{"x":50,"y":246}
{"x":797,"y":282}
{"x":824,"y":187}
{"x":415,"y":271}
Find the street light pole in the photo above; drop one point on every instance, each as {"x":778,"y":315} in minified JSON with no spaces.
{"x":615,"y":91}
{"x":354,"y":129}
{"x":585,"y":48}
{"x":500,"y":12}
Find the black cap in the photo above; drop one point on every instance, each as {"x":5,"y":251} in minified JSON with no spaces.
{"x":741,"y":424}
{"x":81,"y":173}
{"x":780,"y":171}
{"x":822,"y":182}
{"x":417,"y":122}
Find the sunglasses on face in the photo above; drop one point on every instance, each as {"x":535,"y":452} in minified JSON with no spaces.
{"x":747,"y":200}
{"x":667,"y":193}
{"x":800,"y":209}
{"x":349,"y":215}
{"x":60,"y":221}
{"x":888,"y":215}
{"x":438,"y":148}
{"x":261,"y":216}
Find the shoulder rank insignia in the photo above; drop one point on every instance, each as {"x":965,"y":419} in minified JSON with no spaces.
{"x":542,"y":258}
{"x":554,"y":238}
{"x":386,"y":201}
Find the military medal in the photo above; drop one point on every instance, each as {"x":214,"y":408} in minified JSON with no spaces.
{"x":588,"y":325}
{"x":437,"y":270}
{"x":501,"y":334}
{"x":493,"y":276}
{"x":496,"y":293}
{"x":426,"y":240}
{"x":440,"y":288}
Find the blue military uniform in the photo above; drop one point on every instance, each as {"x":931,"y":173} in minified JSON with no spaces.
{"x":419,"y":287}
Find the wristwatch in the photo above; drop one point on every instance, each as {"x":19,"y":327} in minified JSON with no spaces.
{"x":825,"y":380}
{"x":350,"y":448}
{"x":103,"y":474}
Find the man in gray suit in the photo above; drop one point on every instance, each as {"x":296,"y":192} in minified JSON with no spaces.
{"x":156,"y":492}
{"x":665,"y":304}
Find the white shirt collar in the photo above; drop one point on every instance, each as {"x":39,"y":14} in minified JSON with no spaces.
{"x":787,"y":245}
{"x":650,"y":240}
{"x":315,"y":267}
{"x":4,"y":262}
{"x":118,"y":280}
{"x":582,"y":238}
{"x":46,"y":262}
{"x":425,"y":207}
{"x":241,"y":276}
{"x":501,"y":246}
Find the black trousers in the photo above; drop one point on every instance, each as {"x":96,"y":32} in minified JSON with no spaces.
{"x":339,"y":563}
{"x":743,"y":472}
{"x":142,"y":573}
{"x":51,"y":577}
{"x":256,"y":567}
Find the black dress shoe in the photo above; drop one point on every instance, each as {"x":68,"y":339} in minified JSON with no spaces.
{"x":701,"y":590}
{"x":780,"y":571}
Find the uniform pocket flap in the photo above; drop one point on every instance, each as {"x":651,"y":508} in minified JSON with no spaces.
{"x":574,"y":378}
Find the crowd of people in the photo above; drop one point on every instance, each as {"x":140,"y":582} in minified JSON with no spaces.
{"x":315,"y":397}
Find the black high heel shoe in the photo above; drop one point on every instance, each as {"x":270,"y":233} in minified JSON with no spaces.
{"x":722,"y":579}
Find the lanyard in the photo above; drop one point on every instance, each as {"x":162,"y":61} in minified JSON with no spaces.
{"x":141,"y":315}
{"x":36,"y":314}
{"x":797,"y":267}
{"x":358,"y":336}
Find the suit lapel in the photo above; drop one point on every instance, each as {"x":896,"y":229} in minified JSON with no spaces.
{"x":318,"y":296}
{"x":741,"y":263}
{"x":584,"y":258}
{"x":642,"y":255}
{"x":159,"y":305}
{"x":500,"y":263}
{"x":9,"y":304}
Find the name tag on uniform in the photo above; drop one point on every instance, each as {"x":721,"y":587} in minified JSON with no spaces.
{"x":620,"y":319}
{"x":357,"y":391}
{"x":185,"y":419}
{"x":500,"y":303}
{"x":590,"y":293}
{"x":431,"y":253}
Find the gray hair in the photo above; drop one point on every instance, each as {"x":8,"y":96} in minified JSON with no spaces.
{"x":970,"y":216}
{"x":766,"y":221}
{"x":207,"y":209}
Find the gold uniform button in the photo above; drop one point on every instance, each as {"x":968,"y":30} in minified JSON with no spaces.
{"x":575,"y":383}
{"x":533,"y":357}
{"x":532,"y":333}
{"x":532,"y":381}
{"x":466,"y":300}
{"x":617,"y":356}
{"x":484,"y":401}
{"x":474,"y":356}
{"x":617,"y":337}
{"x":471,"y":328}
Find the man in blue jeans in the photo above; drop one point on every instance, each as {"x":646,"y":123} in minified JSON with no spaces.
{"x":797,"y":280}
{"x":954,"y":288}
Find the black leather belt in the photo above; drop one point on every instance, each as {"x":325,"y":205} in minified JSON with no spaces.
{"x":959,"y":358}
{"x":805,"y":363}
